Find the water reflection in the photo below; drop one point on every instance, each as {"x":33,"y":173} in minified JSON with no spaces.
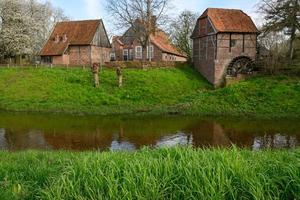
{"x":174,"y":140}
{"x":24,"y":131}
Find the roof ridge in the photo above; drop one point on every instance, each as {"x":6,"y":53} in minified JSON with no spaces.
{"x":75,"y":21}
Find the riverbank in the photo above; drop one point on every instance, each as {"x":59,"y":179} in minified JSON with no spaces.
{"x":178,"y":173}
{"x":153,"y":91}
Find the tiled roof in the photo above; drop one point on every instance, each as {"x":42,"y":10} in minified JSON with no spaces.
{"x":77,"y":33}
{"x":162,"y":41}
{"x":230,"y":20}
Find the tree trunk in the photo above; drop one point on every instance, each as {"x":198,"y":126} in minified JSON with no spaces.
{"x":148,"y":52}
{"x":144,"y":56}
{"x":291,"y":45}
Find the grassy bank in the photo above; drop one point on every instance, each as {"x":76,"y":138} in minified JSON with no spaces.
{"x":180,"y":173}
{"x":154,"y":91}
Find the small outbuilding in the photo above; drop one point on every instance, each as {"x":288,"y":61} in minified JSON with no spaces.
{"x":77,"y":43}
{"x":224,"y":44}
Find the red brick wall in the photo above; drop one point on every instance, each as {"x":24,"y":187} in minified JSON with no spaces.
{"x":79,"y":55}
{"x":118,"y":50}
{"x":211,"y":58}
{"x":100,"y":54}
{"x":204,"y":56}
{"x":224,"y":56}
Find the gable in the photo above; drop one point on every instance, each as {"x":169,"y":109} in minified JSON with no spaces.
{"x":101,"y":37}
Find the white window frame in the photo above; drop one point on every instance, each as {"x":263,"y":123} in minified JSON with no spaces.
{"x":138,"y":52}
{"x":125,"y":53}
{"x":151,"y":52}
{"x":112,"y":56}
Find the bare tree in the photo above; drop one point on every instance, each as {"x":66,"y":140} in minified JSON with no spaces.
{"x":181,"y":29}
{"x":143,"y":16}
{"x":282,"y":15}
{"x":272,"y":50}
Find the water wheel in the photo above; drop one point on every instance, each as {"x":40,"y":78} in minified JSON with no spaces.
{"x":240,"y":65}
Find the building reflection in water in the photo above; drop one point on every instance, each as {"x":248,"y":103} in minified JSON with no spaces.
{"x":175,"y":140}
{"x":115,"y":134}
{"x":3,"y":144}
{"x":274,"y":141}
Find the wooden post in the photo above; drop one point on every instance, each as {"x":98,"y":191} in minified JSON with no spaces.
{"x":95,"y":71}
{"x":120,"y":76}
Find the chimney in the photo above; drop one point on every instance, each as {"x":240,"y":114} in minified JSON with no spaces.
{"x":154,"y":20}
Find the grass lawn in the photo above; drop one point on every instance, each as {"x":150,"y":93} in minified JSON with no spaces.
{"x":179,"y":173}
{"x":154,"y":91}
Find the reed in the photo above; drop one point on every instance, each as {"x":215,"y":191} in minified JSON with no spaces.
{"x":177,"y":173}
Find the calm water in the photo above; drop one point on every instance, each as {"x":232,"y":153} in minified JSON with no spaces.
{"x":60,"y":132}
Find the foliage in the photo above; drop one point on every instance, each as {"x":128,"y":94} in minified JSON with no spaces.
{"x":15,"y":29}
{"x":25,"y":25}
{"x":181,"y":30}
{"x":179,"y":173}
{"x":153,"y":91}
{"x":282,"y":15}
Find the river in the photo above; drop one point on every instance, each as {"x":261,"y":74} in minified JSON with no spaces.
{"x":19,"y":131}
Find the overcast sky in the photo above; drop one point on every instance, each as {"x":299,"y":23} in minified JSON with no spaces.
{"x":93,"y":9}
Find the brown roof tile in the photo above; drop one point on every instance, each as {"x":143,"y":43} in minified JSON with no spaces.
{"x":162,"y":41}
{"x":77,"y":32}
{"x":230,"y":20}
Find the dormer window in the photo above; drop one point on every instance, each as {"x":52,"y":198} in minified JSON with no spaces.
{"x":56,"y":39}
{"x":65,"y":38}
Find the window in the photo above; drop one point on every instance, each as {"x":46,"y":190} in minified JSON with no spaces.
{"x":232,"y":43}
{"x":150,"y":53}
{"x":125,"y":54}
{"x":130,"y":54}
{"x":112,"y":56}
{"x":138,"y":52}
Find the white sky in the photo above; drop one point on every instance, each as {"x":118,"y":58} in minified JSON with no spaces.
{"x":93,"y":9}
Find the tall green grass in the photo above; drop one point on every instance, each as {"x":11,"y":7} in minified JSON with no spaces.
{"x":179,"y":173}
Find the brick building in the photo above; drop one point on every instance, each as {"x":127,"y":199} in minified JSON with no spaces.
{"x":128,"y":48}
{"x":77,"y":43}
{"x":224,"y":44}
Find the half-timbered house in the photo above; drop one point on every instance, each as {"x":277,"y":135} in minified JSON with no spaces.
{"x":224,"y":44}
